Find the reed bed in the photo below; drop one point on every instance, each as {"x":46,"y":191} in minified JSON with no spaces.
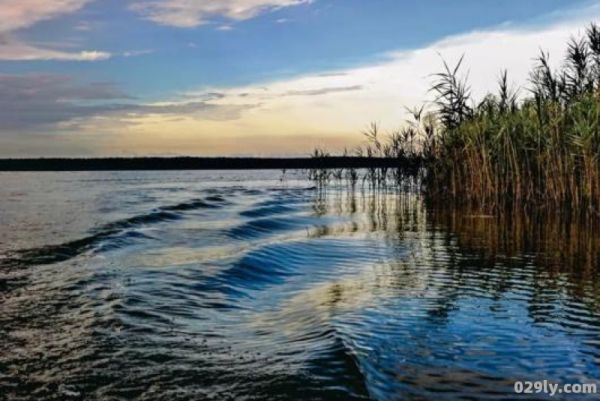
{"x":536,"y":148}
{"x":541,"y":150}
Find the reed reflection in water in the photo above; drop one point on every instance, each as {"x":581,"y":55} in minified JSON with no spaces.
{"x":280,"y":290}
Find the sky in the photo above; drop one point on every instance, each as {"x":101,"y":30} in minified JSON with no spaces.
{"x":250,"y":77}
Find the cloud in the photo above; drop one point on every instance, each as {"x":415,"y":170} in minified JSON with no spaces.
{"x":403,"y":78}
{"x":36,"y":101}
{"x":14,"y":50}
{"x":201,"y":110}
{"x":83,"y":26}
{"x":192,"y":13}
{"x":20,"y":14}
{"x":274,"y":92}
{"x":323,"y":91}
{"x":136,"y":53}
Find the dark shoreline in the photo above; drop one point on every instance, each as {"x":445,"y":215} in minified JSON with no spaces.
{"x":204,"y":163}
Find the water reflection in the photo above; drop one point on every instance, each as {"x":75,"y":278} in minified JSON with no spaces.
{"x":287,"y":291}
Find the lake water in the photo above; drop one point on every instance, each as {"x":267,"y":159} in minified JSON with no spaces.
{"x":258,"y":286}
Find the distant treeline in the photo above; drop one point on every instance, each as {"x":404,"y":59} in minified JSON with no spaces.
{"x":202,"y":163}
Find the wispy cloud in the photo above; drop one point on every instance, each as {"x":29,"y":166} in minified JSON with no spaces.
{"x":192,"y":13}
{"x":15,"y":50}
{"x":136,"y":53}
{"x":323,"y":91}
{"x":84,"y":26}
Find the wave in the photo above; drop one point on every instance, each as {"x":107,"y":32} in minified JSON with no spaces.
{"x":269,"y":211}
{"x":278,"y":263}
{"x":110,"y":236}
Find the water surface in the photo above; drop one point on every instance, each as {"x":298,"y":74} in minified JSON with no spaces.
{"x":254,"y":286}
